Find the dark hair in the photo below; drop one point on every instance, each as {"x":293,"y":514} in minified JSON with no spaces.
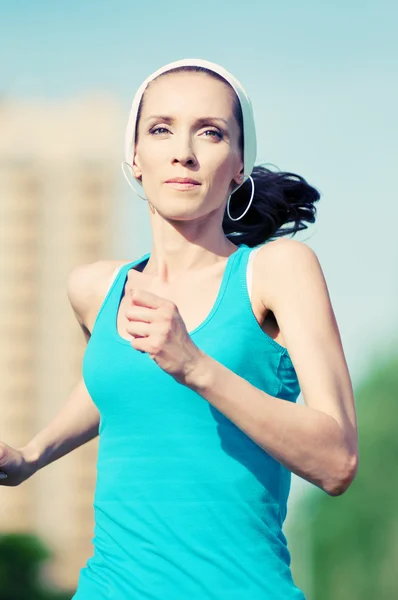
{"x":280,"y":198}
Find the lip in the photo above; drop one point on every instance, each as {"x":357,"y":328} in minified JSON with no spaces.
{"x":183,"y":180}
{"x":182,"y":186}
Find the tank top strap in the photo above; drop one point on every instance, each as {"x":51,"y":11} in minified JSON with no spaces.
{"x":233,"y":299}
{"x":107,"y":314}
{"x":236,"y":304}
{"x":237,"y":295}
{"x":249,"y":270}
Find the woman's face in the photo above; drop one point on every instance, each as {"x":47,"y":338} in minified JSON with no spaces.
{"x":187,"y":129}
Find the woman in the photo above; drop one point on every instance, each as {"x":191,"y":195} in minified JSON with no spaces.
{"x":198,"y":354}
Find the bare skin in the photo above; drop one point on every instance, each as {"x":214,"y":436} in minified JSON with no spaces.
{"x":317,"y":441}
{"x":77,"y":422}
{"x":194,"y":297}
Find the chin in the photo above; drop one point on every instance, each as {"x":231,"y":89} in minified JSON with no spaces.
{"x":179,"y":215}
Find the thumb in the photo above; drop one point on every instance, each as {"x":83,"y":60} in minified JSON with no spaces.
{"x":5,"y":454}
{"x":3,"y":459}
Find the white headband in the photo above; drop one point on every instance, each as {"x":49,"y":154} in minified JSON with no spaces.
{"x":249,"y":131}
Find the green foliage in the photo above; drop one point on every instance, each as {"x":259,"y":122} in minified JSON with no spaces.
{"x":21,"y":558}
{"x":352,"y":540}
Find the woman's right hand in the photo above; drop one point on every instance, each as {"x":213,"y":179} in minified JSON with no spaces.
{"x":15,"y":464}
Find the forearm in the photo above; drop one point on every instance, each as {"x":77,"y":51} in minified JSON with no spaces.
{"x":75,"y":424}
{"x":308,"y":442}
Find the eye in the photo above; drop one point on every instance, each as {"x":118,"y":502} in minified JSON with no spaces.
{"x":218,"y":134}
{"x":155,"y":129}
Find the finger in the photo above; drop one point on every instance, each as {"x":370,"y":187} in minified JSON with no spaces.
{"x":141,"y":344}
{"x":138,"y":328}
{"x":147,"y":299}
{"x":140,"y":313}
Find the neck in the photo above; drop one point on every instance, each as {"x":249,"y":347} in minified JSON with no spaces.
{"x":180,"y":247}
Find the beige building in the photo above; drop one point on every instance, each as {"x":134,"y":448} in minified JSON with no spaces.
{"x":59,"y":181}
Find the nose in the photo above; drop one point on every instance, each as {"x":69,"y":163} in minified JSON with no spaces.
{"x":183,"y":150}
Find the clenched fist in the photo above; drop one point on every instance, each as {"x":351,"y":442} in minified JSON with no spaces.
{"x":14,"y":463}
{"x":160,"y":331}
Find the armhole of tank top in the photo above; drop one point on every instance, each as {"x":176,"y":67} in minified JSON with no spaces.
{"x":249,"y":279}
{"x":111,"y":282}
{"x":114,"y":275}
{"x":249,"y":271}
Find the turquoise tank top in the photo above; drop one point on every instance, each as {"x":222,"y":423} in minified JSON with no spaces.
{"x":186,"y":505}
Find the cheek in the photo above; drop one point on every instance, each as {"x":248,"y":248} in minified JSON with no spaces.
{"x":150,"y":156}
{"x":222,"y":169}
{"x":217,"y":165}
{"x":148,"y":160}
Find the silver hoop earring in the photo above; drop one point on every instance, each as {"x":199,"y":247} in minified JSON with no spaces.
{"x":248,"y":206}
{"x":130,"y":182}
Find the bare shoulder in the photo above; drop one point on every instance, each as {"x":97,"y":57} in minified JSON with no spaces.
{"x":277,"y":252}
{"x":283,"y":266}
{"x":87,"y":283}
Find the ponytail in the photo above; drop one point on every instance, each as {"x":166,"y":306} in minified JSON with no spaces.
{"x":280,"y":198}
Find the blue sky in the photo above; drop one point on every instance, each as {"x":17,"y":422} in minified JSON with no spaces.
{"x":322,"y":79}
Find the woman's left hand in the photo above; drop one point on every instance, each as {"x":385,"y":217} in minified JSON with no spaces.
{"x":159,"y":330}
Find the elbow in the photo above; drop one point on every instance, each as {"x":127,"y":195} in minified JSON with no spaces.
{"x":343,"y":476}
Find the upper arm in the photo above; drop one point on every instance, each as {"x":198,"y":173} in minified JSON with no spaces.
{"x":293,"y":287}
{"x":87,"y":286}
{"x":81,"y":283}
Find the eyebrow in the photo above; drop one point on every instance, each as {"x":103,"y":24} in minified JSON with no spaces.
{"x":199,"y":121}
